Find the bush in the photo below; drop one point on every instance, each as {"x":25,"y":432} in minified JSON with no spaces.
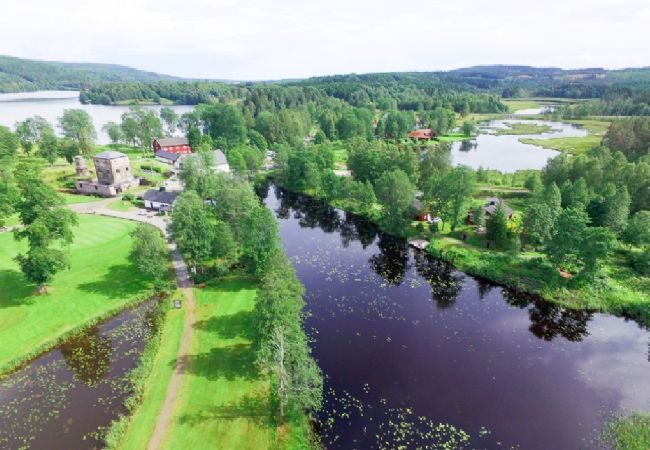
{"x":128,"y":197}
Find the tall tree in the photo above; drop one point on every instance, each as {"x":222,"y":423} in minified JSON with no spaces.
{"x":497,"y":227}
{"x":455,"y":194}
{"x":395,"y":193}
{"x":149,"y":252}
{"x":114,"y":132}
{"x":617,"y":210}
{"x":78,"y":126}
{"x":191,"y":227}
{"x":170,"y":119}
{"x":47,"y":225}
{"x":30,"y":132}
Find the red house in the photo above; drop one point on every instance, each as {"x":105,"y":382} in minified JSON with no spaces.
{"x":177,"y":145}
{"x":424,"y":134}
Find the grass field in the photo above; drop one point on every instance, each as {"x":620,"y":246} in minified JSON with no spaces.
{"x":142,"y":421}
{"x":224,"y":402}
{"x":71,"y":199}
{"x":120,"y":205}
{"x":575,"y":145}
{"x":524,"y":128}
{"x":100,"y":281}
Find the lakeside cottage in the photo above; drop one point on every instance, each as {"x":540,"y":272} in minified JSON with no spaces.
{"x":178,"y":145}
{"x":490,"y":207}
{"x":423,"y":134}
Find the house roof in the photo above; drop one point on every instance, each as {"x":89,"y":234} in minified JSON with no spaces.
{"x":158,"y":196}
{"x":172,"y":141}
{"x":167,"y":155}
{"x":219,"y":157}
{"x":492,"y":203}
{"x":110,"y":155}
{"x":423,"y":133}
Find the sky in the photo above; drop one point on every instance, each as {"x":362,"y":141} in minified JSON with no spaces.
{"x":279,"y":39}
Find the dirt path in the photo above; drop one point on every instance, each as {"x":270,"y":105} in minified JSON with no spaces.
{"x":185,"y":284}
{"x":174,"y":387}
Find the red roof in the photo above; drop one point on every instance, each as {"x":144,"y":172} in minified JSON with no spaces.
{"x":424,"y":133}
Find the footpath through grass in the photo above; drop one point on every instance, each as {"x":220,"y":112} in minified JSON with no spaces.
{"x":101,"y":280}
{"x":142,"y":421}
{"x":224,"y":403}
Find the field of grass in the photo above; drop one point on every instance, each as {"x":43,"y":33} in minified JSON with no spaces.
{"x":72,"y":199}
{"x":120,"y":205}
{"x":141,"y":423}
{"x":575,"y":145}
{"x":524,"y":103}
{"x":524,"y":128}
{"x":453,"y":137}
{"x":224,"y":402}
{"x":100,"y":281}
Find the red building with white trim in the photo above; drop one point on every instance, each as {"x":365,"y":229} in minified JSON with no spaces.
{"x":423,"y":134}
{"x":177,"y":145}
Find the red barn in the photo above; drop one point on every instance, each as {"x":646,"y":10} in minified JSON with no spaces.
{"x":424,"y":134}
{"x":177,"y":145}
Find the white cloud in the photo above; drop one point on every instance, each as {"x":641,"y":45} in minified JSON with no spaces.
{"x":255,"y":39}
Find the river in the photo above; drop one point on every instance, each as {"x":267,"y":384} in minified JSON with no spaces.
{"x":416,"y":353}
{"x":51,"y":104}
{"x":504,"y":152}
{"x":65,"y":397}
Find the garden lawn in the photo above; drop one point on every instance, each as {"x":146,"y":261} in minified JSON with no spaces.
{"x":224,"y":403}
{"x":100,"y":281}
{"x":143,"y":420}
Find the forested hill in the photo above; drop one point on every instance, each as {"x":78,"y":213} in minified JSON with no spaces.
{"x":21,"y":75}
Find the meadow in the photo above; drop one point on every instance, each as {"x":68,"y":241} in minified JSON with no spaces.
{"x":224,"y":398}
{"x":101,"y":281}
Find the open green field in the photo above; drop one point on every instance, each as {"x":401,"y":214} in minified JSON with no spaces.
{"x":101,"y":280}
{"x":71,"y":199}
{"x":224,"y":402}
{"x":142,"y":422}
{"x":453,"y":137}
{"x":120,"y":205}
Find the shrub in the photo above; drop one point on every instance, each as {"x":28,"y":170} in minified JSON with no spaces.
{"x":128,"y":197}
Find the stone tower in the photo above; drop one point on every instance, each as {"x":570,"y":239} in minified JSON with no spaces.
{"x":80,"y":165}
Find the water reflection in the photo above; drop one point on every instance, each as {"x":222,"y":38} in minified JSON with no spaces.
{"x":425,"y":343}
{"x":88,"y":356}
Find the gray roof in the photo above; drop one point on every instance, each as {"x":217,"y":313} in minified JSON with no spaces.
{"x":158,"y":196}
{"x":491,"y":206}
{"x":168,"y":155}
{"x":172,"y":141}
{"x":219,"y":157}
{"x":110,"y":155}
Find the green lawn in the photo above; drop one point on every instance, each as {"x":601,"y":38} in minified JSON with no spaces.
{"x":224,"y":402}
{"x":120,"y":205}
{"x":100,"y":281}
{"x":71,"y":199}
{"x":453,"y":137}
{"x":142,"y":421}
{"x":524,"y":128}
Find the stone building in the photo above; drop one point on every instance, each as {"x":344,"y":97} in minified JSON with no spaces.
{"x":80,"y":166}
{"x":114,"y":175}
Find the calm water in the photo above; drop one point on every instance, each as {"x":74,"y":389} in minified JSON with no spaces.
{"x":51,"y":104}
{"x":407,"y":343}
{"x":62,"y":398}
{"x":505,"y":152}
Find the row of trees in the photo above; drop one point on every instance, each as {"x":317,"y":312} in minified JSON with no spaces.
{"x":218,"y":223}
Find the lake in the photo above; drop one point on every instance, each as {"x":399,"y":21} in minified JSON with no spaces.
{"x":416,"y":353}
{"x":504,"y":152}
{"x":51,"y":104}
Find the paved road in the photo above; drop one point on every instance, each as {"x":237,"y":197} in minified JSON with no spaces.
{"x":184,"y":282}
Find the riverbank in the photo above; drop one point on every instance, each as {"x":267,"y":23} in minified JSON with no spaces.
{"x":617,"y":290}
{"x":224,"y":397}
{"x":100,"y":282}
{"x":596,"y":129}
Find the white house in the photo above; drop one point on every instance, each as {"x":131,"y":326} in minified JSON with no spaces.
{"x":220,"y":162}
{"x":160,"y":199}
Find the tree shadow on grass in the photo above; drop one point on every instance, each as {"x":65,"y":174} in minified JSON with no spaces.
{"x":240,"y":324}
{"x":254,"y":407}
{"x":115,"y":282}
{"x":235,"y":362}
{"x":15,"y":290}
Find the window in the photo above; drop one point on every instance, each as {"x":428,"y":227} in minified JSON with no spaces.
{"x":95,"y":187}
{"x":117,"y":170}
